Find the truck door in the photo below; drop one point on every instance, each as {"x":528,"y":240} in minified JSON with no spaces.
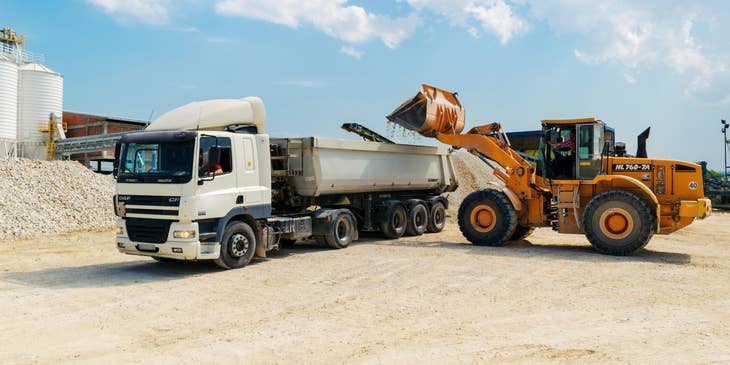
{"x":217,"y":191}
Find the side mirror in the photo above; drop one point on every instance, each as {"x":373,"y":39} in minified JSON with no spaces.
{"x":115,"y":164}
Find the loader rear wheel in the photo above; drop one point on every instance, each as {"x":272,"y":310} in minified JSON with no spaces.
{"x":522,"y":232}
{"x":618,"y":223}
{"x":417,"y":219}
{"x":436,"y":218}
{"x":393,"y":221}
{"x":486,"y":218}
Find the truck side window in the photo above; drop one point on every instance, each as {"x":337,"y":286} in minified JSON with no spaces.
{"x":224,"y":165}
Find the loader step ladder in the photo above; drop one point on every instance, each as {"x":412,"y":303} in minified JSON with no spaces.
{"x":569,"y":198}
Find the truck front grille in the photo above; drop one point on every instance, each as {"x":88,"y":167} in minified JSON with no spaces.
{"x":148,"y":230}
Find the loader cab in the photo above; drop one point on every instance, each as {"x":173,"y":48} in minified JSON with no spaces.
{"x":572,"y":149}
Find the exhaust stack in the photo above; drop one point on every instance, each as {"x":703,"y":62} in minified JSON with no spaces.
{"x":430,"y":112}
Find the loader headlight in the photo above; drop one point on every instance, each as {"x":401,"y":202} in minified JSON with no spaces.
{"x":183,"y":234}
{"x":119,"y":230}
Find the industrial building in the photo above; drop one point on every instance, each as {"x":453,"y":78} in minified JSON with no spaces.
{"x":32,"y":121}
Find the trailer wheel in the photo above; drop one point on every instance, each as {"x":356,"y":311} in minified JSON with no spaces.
{"x":393,"y":221}
{"x":486,"y":218}
{"x":618,"y":223}
{"x":436,"y":218}
{"x":522,"y":232}
{"x":417,"y":218}
{"x":342,"y":231}
{"x":237,"y":247}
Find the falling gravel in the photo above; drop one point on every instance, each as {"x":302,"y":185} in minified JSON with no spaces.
{"x":44,"y":197}
{"x":473,"y":174}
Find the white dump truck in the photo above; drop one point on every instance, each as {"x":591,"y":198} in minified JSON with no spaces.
{"x":205,"y":182}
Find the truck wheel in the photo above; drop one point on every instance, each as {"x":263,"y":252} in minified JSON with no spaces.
{"x":417,"y":219}
{"x":393,"y":221}
{"x":618,"y":223}
{"x":522,"y":232}
{"x":342,"y":231}
{"x":486,"y":218}
{"x":237,"y":247}
{"x":436,"y":218}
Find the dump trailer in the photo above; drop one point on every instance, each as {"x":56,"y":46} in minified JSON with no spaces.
{"x":577,"y":184}
{"x":205,"y":182}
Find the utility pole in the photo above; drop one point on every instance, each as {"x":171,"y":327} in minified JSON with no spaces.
{"x":724,"y":145}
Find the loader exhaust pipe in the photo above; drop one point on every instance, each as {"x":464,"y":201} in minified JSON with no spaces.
{"x":641,"y":142}
{"x":430,"y":112}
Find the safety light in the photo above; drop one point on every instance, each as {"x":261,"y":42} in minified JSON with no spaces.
{"x":119,"y":230}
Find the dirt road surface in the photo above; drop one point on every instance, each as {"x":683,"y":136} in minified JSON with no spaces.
{"x":73,"y":299}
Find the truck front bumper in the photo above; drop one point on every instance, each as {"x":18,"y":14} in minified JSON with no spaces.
{"x":700,"y":208}
{"x":173,"y":248}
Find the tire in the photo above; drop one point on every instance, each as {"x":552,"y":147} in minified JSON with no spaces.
{"x":487,"y":218}
{"x":618,"y":223}
{"x":393,"y":221}
{"x":417,"y":219}
{"x":237,"y":247}
{"x":164,"y":259}
{"x":436,"y":218}
{"x":342,"y":232}
{"x":522,"y":232}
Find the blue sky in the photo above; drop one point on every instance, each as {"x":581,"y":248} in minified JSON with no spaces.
{"x":320,"y":63}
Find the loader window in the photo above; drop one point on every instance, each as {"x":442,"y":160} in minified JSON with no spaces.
{"x":559,"y":152}
{"x":590,"y":143}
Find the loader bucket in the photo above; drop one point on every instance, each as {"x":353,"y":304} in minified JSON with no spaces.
{"x":430,"y":112}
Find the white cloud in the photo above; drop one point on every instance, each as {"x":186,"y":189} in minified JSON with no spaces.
{"x":495,"y":16}
{"x":349,"y":23}
{"x":629,"y":78}
{"x":146,"y":11}
{"x":351,"y":51}
{"x":303,"y":83}
{"x":641,"y":35}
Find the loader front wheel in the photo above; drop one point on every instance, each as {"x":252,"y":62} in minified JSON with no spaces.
{"x":618,"y":223}
{"x":487,"y":218}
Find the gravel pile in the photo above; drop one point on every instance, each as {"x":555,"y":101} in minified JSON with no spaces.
{"x":473,"y":174}
{"x":43,"y":197}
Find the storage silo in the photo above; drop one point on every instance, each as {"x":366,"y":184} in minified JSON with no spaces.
{"x":8,"y":106}
{"x":40,"y":94}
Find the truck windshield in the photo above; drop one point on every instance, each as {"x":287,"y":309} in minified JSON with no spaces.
{"x":169,"y":162}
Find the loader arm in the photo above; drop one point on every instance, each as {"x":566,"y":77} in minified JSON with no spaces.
{"x":491,"y":142}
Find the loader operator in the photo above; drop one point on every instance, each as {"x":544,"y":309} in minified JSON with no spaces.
{"x":564,"y":162}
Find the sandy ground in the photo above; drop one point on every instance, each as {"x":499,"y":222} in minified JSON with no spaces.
{"x":74,"y":299}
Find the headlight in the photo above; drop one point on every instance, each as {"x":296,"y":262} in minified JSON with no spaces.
{"x":119,"y":230}
{"x":183,"y":234}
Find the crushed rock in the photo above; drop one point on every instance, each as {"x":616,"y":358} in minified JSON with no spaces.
{"x":46,"y":197}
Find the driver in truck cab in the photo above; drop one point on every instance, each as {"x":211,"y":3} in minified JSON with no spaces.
{"x":205,"y":168}
{"x":569,"y":143}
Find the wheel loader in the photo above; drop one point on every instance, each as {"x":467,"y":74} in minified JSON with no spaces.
{"x":578,"y":183}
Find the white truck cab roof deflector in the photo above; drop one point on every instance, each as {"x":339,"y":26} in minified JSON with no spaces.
{"x":213,"y":115}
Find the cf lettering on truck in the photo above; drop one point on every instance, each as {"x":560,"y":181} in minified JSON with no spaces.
{"x":204,"y":182}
